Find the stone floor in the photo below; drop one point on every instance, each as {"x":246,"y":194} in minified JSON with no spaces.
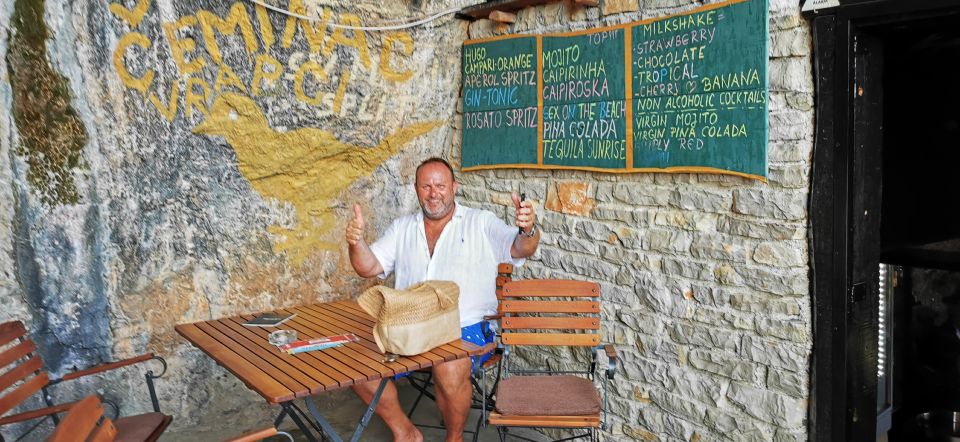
{"x":343,"y":415}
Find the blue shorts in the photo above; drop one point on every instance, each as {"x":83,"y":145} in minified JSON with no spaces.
{"x":478,"y":334}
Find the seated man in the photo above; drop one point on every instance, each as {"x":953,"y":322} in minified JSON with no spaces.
{"x":443,"y":241}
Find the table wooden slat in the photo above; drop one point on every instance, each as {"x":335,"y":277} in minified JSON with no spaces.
{"x":281,"y":377}
{"x":357,"y":350}
{"x":252,"y":376}
{"x":319,"y":360}
{"x":316,"y":379}
{"x":345,"y":354}
{"x":353,"y":320}
{"x":298,"y":389}
{"x":366,"y":339}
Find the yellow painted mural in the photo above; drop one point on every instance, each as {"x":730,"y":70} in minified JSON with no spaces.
{"x":306,"y":168}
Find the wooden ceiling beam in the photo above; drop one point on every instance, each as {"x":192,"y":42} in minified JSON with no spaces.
{"x":503,"y":17}
{"x":484,"y":9}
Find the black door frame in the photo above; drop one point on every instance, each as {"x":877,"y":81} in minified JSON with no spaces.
{"x":837,"y":383}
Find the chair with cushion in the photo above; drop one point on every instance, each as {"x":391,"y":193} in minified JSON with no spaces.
{"x":421,"y":379}
{"x":85,"y":422}
{"x":22,"y":376}
{"x":553,"y":313}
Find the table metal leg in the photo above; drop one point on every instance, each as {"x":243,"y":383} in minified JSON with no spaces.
{"x":331,"y":433}
{"x":287,"y":410}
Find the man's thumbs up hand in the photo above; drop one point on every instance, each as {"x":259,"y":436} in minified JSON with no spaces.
{"x":354,"y":234}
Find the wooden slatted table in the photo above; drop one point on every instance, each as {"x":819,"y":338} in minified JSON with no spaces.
{"x":282,"y":378}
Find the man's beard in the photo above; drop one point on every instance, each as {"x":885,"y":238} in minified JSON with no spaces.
{"x":441,"y":211}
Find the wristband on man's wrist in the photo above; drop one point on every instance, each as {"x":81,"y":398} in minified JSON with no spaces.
{"x":533,"y":231}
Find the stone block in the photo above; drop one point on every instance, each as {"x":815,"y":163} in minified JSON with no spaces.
{"x":678,"y":406}
{"x":557,"y":224}
{"x":719,"y":247}
{"x":666,"y":241}
{"x":571,"y":198}
{"x":604,"y":193}
{"x":723,"y":318}
{"x":792,"y":383}
{"x":792,"y":74}
{"x":687,"y":269}
{"x":761,"y":229}
{"x":700,"y":336}
{"x":768,"y":203}
{"x":781,"y":253}
{"x":792,"y":282}
{"x":577,"y":245}
{"x":792,"y":42}
{"x":790,"y":150}
{"x":775,"y":353}
{"x":764,"y":303}
{"x":796,"y":330}
{"x":631,"y":193}
{"x":726,"y":422}
{"x":725,"y":364}
{"x":639,"y":433}
{"x":618,"y":6}
{"x":708,"y":200}
{"x":790,"y":124}
{"x":616,"y":213}
{"x":790,"y":176}
{"x":641,"y":322}
{"x":768,"y":406}
{"x":686,"y":220}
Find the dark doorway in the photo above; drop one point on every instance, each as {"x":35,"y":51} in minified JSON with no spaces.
{"x":885,"y":189}
{"x":921,"y":226}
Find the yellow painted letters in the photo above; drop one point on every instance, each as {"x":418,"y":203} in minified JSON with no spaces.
{"x":389,"y":42}
{"x":179,"y":47}
{"x":170,"y":110}
{"x":139,"y":83}
{"x":314,"y":68}
{"x":260,"y":73}
{"x":236,"y":18}
{"x":358,"y":41}
{"x":195,"y":100}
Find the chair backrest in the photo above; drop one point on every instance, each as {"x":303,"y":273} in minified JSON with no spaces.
{"x":21,"y":366}
{"x":546,"y":314}
{"x":504,"y":275}
{"x":85,"y":422}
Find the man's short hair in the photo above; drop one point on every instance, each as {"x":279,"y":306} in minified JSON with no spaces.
{"x":453,"y":178}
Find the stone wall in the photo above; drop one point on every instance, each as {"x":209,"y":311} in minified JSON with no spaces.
{"x":704,"y":277}
{"x":166,"y":161}
{"x":170,"y":161}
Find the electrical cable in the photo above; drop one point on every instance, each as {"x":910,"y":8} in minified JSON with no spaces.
{"x":359,"y":28}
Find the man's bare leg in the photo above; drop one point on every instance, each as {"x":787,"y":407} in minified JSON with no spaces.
{"x":452,"y":381}
{"x":388,"y":408}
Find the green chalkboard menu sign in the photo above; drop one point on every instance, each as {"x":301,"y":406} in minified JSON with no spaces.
{"x":684,"y":93}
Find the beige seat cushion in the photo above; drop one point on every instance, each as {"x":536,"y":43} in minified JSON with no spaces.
{"x":547,"y":396}
{"x":141,"y":427}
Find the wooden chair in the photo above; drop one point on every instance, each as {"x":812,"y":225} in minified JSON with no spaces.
{"x":23,"y":376}
{"x":551,"y":313}
{"x":85,"y":422}
{"x":421,"y":379}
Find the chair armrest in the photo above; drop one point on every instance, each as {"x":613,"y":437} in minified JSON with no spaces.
{"x":496,"y":317}
{"x":492,"y":346}
{"x":106,"y":367}
{"x":255,"y":435}
{"x":612,"y":359}
{"x":39,"y":412}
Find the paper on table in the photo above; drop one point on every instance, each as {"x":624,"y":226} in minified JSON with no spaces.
{"x":318,"y":343}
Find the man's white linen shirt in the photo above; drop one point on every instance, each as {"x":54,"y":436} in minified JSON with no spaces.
{"x":473,"y":243}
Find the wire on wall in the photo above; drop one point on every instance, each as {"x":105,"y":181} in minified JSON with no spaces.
{"x":419,"y":22}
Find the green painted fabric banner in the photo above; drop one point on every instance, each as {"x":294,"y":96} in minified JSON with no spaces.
{"x":685,"y":93}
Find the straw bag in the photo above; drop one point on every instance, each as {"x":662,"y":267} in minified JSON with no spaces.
{"x":412,"y":321}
